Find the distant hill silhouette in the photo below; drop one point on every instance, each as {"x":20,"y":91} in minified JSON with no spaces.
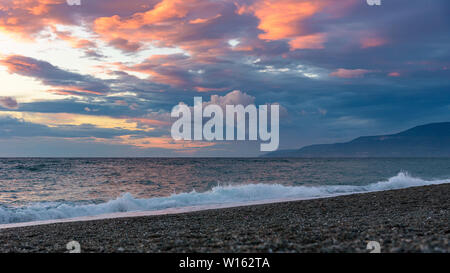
{"x":430,"y":140}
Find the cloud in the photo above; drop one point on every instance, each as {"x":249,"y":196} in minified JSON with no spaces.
{"x":89,"y":46}
{"x":63,"y":82}
{"x":73,"y":40}
{"x":314,"y":41}
{"x":164,"y":142}
{"x":281,"y":19}
{"x":12,"y":127}
{"x":125,"y":45}
{"x":26,"y":18}
{"x":372,"y":42}
{"x":182,"y":72}
{"x":286,"y":52}
{"x":167,"y":23}
{"x":349,"y":73}
{"x":9,"y":102}
{"x":235,"y":97}
{"x":166,"y":69}
{"x":289,"y":19}
{"x":394,"y":74}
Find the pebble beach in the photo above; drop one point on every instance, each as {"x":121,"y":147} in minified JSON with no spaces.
{"x":406,"y":220}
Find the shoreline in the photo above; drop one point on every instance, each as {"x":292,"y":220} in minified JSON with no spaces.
{"x":107,"y":210}
{"x":168,"y":211}
{"x":405,"y":220}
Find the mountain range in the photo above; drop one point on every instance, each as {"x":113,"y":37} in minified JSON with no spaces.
{"x":430,"y":140}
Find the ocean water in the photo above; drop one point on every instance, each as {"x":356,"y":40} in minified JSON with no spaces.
{"x":45,"y":189}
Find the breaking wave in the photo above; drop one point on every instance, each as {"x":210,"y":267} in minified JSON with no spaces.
{"x":218,"y":195}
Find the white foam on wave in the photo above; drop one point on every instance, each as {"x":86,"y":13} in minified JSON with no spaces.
{"x":217,"y":197}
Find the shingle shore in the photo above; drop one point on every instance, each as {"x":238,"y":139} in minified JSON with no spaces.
{"x":407,"y":220}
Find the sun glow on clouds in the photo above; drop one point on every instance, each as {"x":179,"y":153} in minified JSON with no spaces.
{"x":143,"y":56}
{"x":165,"y":142}
{"x":64,"y":53}
{"x":65,"y":119}
{"x":23,"y":88}
{"x":279,"y":19}
{"x":314,"y":41}
{"x":56,"y":52}
{"x":372,"y":42}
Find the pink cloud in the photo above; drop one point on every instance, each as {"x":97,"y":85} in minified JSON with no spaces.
{"x":349,"y":73}
{"x":372,"y":42}
{"x":209,"y":89}
{"x":394,"y":74}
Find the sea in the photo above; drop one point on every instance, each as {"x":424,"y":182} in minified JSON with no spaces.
{"x":42,"y":189}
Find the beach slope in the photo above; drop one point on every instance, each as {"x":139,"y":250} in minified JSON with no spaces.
{"x":406,"y":220}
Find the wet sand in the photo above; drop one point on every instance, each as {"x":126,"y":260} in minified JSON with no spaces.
{"x":406,"y":220}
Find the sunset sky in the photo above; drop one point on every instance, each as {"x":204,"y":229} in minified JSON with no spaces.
{"x":100,"y":79}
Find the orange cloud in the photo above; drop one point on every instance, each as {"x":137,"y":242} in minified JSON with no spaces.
{"x":73,"y":90}
{"x":183,"y":24}
{"x":158,"y":142}
{"x":285,"y":19}
{"x":150,"y":122}
{"x":314,"y":41}
{"x":23,"y":18}
{"x":72,"y":40}
{"x":203,"y":20}
{"x":162,"y":14}
{"x":170,"y":23}
{"x":174,"y":23}
{"x":280,"y":19}
{"x":19,"y":65}
{"x":142,"y":142}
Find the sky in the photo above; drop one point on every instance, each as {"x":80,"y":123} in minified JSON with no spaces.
{"x":100,"y":79}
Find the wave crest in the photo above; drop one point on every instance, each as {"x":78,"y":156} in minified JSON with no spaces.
{"x":218,"y":195}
